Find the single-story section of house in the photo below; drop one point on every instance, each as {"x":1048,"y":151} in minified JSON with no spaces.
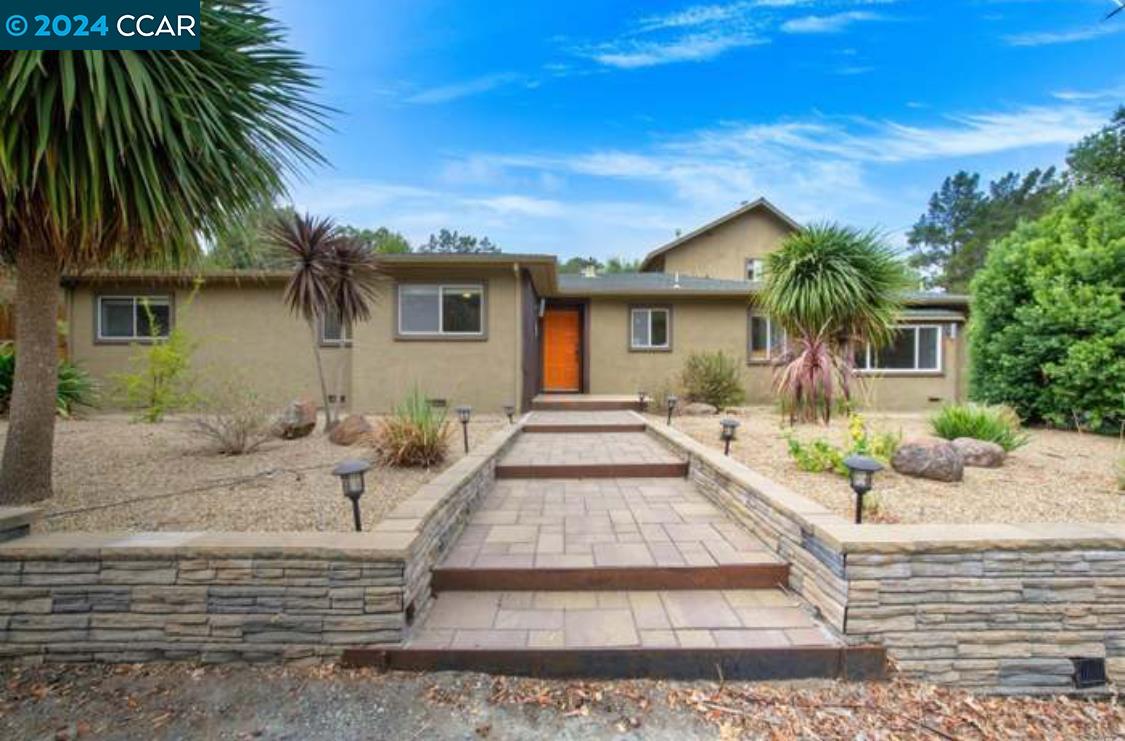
{"x":493,"y":329}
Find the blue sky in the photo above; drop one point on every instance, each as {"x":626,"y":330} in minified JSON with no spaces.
{"x":599,"y":128}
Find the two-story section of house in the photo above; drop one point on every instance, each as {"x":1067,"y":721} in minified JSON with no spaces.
{"x":488,"y":330}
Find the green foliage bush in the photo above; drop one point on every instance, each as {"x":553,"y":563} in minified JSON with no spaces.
{"x":820,"y":455}
{"x":996,"y":424}
{"x":1047,"y":331}
{"x":416,"y":433}
{"x":713,"y":378}
{"x":75,"y":388}
{"x":161,"y":381}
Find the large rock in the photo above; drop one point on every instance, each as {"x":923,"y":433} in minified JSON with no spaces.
{"x":980,"y":452}
{"x":350,"y":430}
{"x":929,"y":458}
{"x":298,"y":419}
{"x":698,"y":409}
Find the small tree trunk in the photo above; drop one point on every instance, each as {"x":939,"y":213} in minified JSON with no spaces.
{"x":320,"y":375}
{"x":25,"y":475}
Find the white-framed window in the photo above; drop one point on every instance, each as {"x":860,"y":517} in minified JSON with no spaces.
{"x":650,"y":328}
{"x":755,"y":269}
{"x":132,"y":318}
{"x":915,"y":348}
{"x":334,"y":332}
{"x":767,"y":340}
{"x":441,"y":309}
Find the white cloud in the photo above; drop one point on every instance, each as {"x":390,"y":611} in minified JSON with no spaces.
{"x":691,"y":48}
{"x":454,"y":91}
{"x":1045,"y":38}
{"x":834,"y":23}
{"x":1105,"y":93}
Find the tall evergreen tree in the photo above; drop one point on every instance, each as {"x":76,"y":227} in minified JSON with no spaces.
{"x":1100,"y":157}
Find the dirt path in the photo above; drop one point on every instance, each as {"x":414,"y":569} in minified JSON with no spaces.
{"x":323,"y":702}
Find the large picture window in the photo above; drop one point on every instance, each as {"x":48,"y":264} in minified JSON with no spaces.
{"x":767,"y":339}
{"x":916,"y":347}
{"x":650,"y":329}
{"x":441,"y":310}
{"x":133,"y":318}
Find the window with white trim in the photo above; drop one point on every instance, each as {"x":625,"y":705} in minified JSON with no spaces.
{"x":755,"y":269}
{"x":915,"y":347}
{"x":131,"y":318}
{"x":334,"y":332}
{"x":441,"y":309}
{"x":650,"y":329}
{"x":767,"y":340}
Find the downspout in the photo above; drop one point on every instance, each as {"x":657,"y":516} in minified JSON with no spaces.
{"x":518,"y":399}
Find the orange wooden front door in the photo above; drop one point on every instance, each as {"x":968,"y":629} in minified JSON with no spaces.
{"x":562,"y":350}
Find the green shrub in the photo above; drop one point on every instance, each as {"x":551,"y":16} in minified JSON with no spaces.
{"x":416,"y":433}
{"x":820,"y":455}
{"x":996,"y":424}
{"x":75,"y":388}
{"x":1047,"y":327}
{"x":713,"y":378}
{"x":161,"y":380}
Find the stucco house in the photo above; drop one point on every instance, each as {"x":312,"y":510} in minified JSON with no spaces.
{"x":491,"y":329}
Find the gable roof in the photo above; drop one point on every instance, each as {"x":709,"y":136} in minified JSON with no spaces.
{"x":760,"y":203}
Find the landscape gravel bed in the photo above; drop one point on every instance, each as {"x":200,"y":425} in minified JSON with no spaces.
{"x":1059,"y":476}
{"x":112,"y":473}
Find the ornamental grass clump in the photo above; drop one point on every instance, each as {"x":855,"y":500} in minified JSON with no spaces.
{"x":416,"y":434}
{"x":995,"y":424}
{"x":713,"y":378}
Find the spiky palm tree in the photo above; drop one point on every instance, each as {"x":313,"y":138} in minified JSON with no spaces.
{"x":833,"y":288}
{"x":334,"y":274}
{"x":126,"y":157}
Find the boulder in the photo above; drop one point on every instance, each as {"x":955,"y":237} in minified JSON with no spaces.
{"x":929,"y":458}
{"x":980,"y":452}
{"x":698,"y":409}
{"x":350,"y":430}
{"x":298,"y":419}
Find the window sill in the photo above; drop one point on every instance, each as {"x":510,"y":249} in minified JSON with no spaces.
{"x":329,"y":344}
{"x":129,"y":341}
{"x":901,"y":373}
{"x":440,"y":338}
{"x":650,"y":349}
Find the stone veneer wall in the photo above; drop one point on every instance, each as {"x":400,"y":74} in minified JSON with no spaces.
{"x":993,"y":607}
{"x":219,"y":597}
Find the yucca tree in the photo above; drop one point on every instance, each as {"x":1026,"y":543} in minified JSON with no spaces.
{"x":127,"y":157}
{"x":833,"y":288}
{"x":333,"y":274}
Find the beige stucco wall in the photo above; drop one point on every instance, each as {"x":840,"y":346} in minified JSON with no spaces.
{"x":242,"y":330}
{"x":721,"y":325}
{"x":481,"y":373}
{"x":723,"y":251}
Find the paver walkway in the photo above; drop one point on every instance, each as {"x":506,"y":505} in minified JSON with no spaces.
{"x":587,"y":448}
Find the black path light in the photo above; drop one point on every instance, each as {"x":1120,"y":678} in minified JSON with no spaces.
{"x":727,"y":434}
{"x":861,"y":472}
{"x":510,"y":410}
{"x":351,"y":478}
{"x":671,"y":402}
{"x":642,"y":399}
{"x":463,"y":414}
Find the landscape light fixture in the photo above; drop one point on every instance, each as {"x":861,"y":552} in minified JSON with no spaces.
{"x":642,"y":399}
{"x":351,"y":479}
{"x":463,"y":414}
{"x":510,"y":410}
{"x":727,"y":434}
{"x":861,"y":473}
{"x":671,"y":402}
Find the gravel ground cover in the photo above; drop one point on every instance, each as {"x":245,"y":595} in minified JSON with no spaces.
{"x":115,"y":474}
{"x":323,"y":702}
{"x":1059,"y":476}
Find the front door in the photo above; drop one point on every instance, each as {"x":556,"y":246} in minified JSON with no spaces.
{"x":562,"y":350}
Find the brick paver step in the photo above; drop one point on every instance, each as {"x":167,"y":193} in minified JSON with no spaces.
{"x":589,"y":455}
{"x":611,"y":421}
{"x":584,"y":402}
{"x":753,"y":634}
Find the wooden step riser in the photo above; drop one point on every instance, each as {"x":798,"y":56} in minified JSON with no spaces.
{"x":852,"y":663}
{"x":585,"y":406}
{"x":640,"y":427}
{"x":749,"y":576}
{"x":594,"y":471}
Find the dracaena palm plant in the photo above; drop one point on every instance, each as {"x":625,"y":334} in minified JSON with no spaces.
{"x":333,"y":275}
{"x":123,"y":157}
{"x":833,"y":288}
